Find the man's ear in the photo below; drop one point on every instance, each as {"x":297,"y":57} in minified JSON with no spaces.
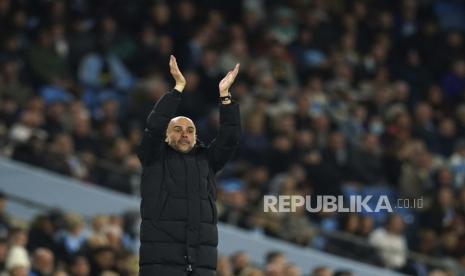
{"x":166,"y":134}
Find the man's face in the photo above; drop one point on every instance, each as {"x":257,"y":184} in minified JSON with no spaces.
{"x":181,"y":134}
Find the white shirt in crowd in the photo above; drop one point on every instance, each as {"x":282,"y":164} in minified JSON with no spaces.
{"x":392,"y":248}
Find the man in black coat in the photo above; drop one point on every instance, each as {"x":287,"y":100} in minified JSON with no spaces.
{"x":179,"y":235}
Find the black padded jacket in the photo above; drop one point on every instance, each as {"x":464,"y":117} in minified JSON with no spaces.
{"x":179,"y":235}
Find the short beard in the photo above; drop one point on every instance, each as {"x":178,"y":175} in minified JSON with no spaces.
{"x":174,"y":145}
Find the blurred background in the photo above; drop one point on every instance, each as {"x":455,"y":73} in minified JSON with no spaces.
{"x":362,"y":97}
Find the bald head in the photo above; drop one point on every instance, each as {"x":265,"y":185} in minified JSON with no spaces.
{"x":181,"y":134}
{"x":181,"y":120}
{"x":43,"y":260}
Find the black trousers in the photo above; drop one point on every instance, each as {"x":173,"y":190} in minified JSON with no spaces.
{"x":167,"y":270}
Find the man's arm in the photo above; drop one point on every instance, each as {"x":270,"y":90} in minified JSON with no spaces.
{"x":224,"y":145}
{"x":160,"y":116}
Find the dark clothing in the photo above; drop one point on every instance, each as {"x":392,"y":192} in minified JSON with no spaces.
{"x":178,"y":229}
{"x":366,"y":167}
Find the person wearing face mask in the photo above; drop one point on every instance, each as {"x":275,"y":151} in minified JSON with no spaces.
{"x":179,"y":235}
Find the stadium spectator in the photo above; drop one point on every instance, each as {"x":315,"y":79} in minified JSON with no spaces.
{"x":390,"y":242}
{"x":3,"y":252}
{"x":73,"y":237}
{"x":41,"y":234}
{"x":240,"y":262}
{"x":79,"y":266}
{"x":5,"y":220}
{"x":17,"y":261}
{"x":321,"y":271}
{"x":224,"y":266}
{"x":43,"y":262}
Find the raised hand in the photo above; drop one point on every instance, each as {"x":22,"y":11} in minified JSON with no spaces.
{"x":177,"y":75}
{"x":228,"y":80}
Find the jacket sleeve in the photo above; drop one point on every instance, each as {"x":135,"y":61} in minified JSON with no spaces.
{"x":224,"y":145}
{"x":157,"y":122}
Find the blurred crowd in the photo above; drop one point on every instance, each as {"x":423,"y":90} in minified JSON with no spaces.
{"x":59,"y":244}
{"x":337,"y":97}
{"x":56,"y":243}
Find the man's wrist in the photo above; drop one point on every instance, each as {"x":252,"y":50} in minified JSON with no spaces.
{"x":179,"y":87}
{"x":225,"y":98}
{"x":224,"y":93}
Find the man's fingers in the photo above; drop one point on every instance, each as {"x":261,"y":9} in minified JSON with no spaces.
{"x":173,"y":63}
{"x":228,"y":75}
{"x":233,"y":73}
{"x":174,"y":67}
{"x":236,"y":69}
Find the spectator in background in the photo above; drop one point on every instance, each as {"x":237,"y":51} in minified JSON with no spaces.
{"x":3,"y":252}
{"x":292,"y":270}
{"x":366,"y":226}
{"x":61,"y":157}
{"x":18,"y":236}
{"x":79,"y":266}
{"x":296,"y":227}
{"x":224,"y":266}
{"x":233,"y":198}
{"x":102,"y":259}
{"x":416,"y":174}
{"x":333,"y":166}
{"x":17,"y":262}
{"x":453,"y":83}
{"x":83,"y":137}
{"x":103,"y":76}
{"x":54,"y":120}
{"x":343,"y":273}
{"x":391,"y":243}
{"x":81,"y":40}
{"x":27,"y":126}
{"x":279,"y":155}
{"x":424,"y":127}
{"x":349,"y":225}
{"x":41,"y":234}
{"x":240,"y":262}
{"x":43,"y":262}
{"x":11,"y":85}
{"x":5,"y":220}
{"x":457,"y":163}
{"x":365,"y":161}
{"x":321,"y":271}
{"x":48,"y":67}
{"x":275,"y":263}
{"x":441,"y":213}
{"x":60,"y":273}
{"x":278,"y":65}
{"x":73,"y":237}
{"x":445,"y":137}
{"x":127,"y":179}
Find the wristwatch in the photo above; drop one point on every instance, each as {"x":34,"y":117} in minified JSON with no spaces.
{"x":226,"y":99}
